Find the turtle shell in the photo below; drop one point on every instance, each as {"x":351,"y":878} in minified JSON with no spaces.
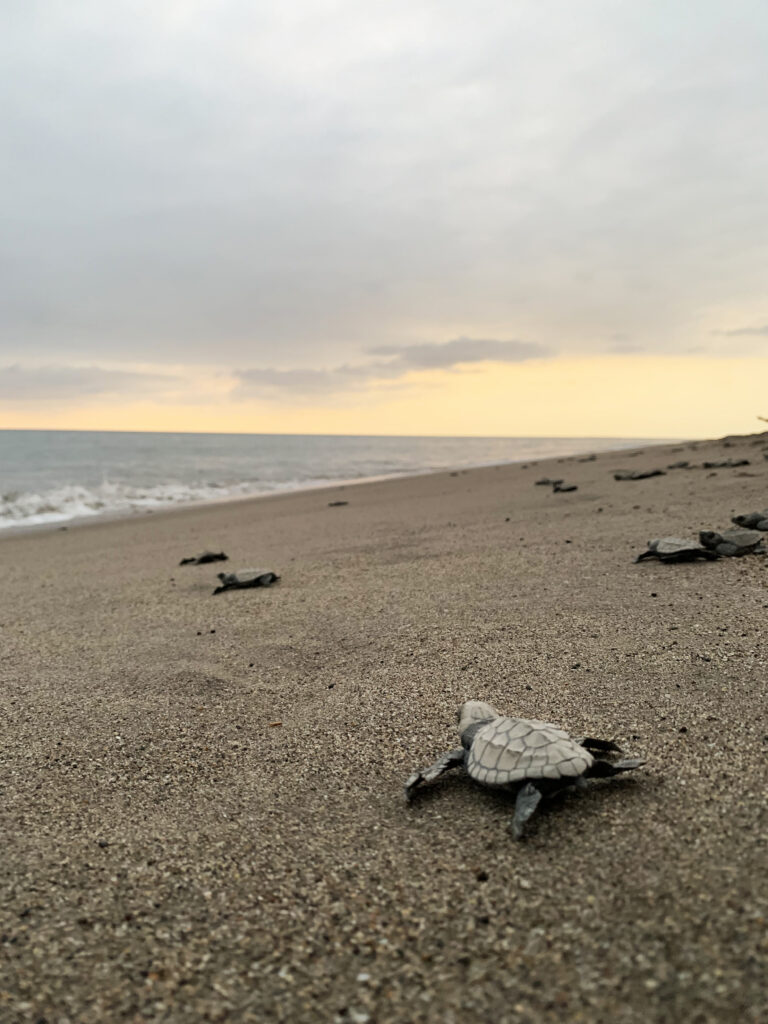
{"x":508,"y":750}
{"x":742,"y":538}
{"x":253,"y":577}
{"x":673,"y":545}
{"x":752,"y":520}
{"x":248,"y":578}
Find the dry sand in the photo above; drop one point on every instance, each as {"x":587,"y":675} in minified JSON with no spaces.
{"x":171,"y":854}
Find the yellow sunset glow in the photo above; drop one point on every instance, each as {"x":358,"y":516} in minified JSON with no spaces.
{"x":608,"y":396}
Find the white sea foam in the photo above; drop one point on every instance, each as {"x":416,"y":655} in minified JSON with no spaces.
{"x":60,"y":504}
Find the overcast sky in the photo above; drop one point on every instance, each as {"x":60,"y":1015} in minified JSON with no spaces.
{"x":313,"y":196}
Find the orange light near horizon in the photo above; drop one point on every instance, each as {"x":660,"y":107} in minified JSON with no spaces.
{"x":606,"y":396}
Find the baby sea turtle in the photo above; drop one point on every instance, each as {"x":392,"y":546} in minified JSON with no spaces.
{"x":676,"y":549}
{"x":534,"y":757}
{"x":732,"y":543}
{"x":753,"y":520}
{"x":558,"y":487}
{"x":245,"y":578}
{"x":725,"y":464}
{"x":638,"y":474}
{"x":205,"y":558}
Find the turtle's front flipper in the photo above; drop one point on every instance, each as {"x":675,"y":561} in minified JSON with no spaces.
{"x":527,"y":801}
{"x":450,"y":760}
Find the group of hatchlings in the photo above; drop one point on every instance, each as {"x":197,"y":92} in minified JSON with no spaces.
{"x":537,"y":759}
{"x":745,"y":538}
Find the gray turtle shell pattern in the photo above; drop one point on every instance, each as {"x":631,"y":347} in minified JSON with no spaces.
{"x":672,"y":545}
{"x":508,"y":750}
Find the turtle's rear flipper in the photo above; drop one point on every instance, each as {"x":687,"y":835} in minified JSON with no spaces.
{"x":450,"y":760}
{"x":604,"y":769}
{"x":527,"y":801}
{"x":590,"y":743}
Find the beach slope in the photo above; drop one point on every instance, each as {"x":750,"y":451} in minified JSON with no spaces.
{"x":201,"y":797}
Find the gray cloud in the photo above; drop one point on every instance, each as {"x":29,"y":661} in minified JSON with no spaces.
{"x":238,"y":183}
{"x":66,"y":383}
{"x":461,"y":350}
{"x":737,"y":332}
{"x":405,"y":359}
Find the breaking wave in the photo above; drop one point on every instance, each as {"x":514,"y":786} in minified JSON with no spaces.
{"x":60,"y":504}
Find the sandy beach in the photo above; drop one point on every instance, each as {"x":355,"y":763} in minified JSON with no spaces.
{"x":201,"y":797}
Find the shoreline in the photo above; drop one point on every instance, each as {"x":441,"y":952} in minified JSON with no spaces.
{"x":112,"y":515}
{"x":202,"y":797}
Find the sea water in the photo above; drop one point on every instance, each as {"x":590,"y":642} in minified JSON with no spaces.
{"x":51,"y":476}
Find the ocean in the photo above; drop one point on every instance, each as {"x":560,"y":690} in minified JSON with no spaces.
{"x":52,"y":476}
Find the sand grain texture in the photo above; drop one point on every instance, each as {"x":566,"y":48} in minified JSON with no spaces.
{"x":170,"y":854}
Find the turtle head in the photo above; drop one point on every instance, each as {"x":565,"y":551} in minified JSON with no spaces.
{"x":709,"y":539}
{"x":474,"y":712}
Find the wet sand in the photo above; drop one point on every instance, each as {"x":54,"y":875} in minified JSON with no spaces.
{"x":201,"y":797}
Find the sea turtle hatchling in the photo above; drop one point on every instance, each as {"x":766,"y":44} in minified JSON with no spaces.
{"x":676,"y":549}
{"x":637,"y":474}
{"x":753,"y":520}
{"x":245,"y":578}
{"x":205,"y":558}
{"x":534,"y":757}
{"x":732,"y":543}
